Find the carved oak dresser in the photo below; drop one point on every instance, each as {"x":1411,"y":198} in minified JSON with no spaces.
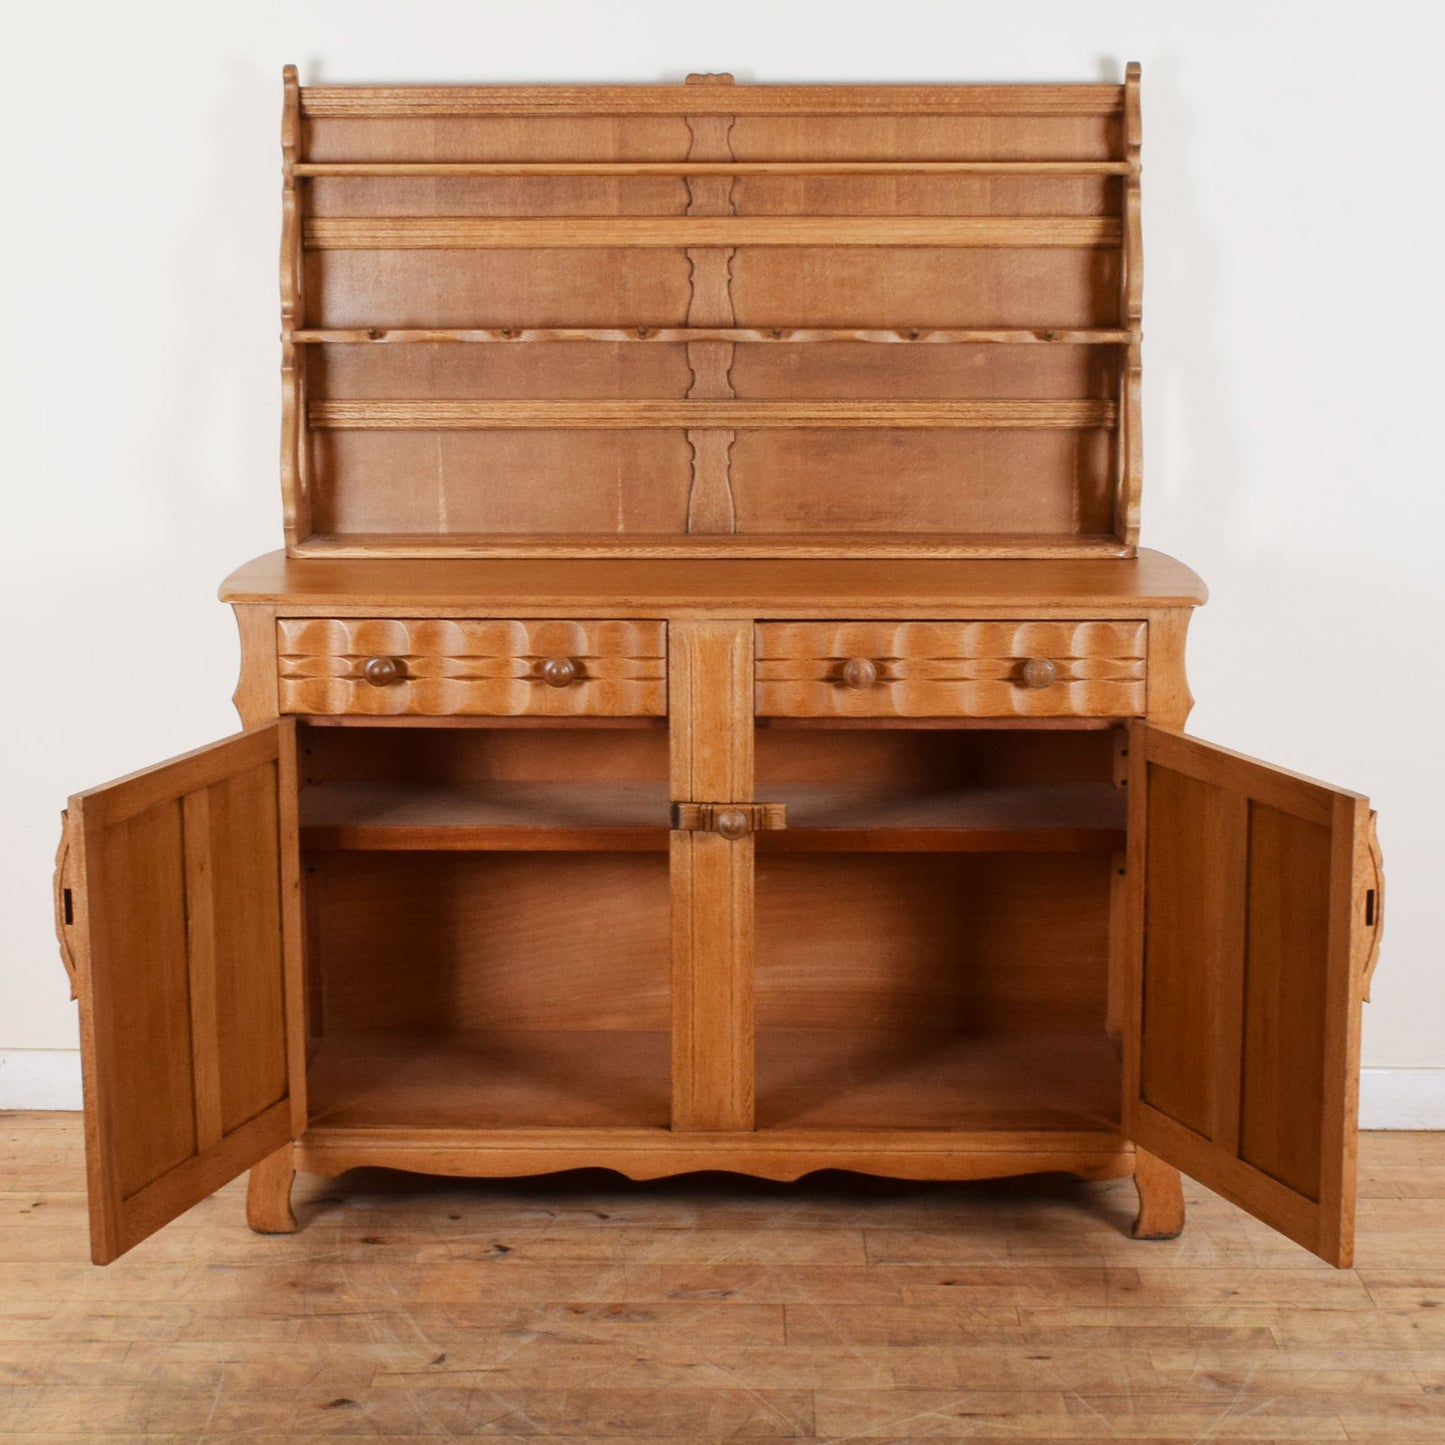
{"x":712,"y":711}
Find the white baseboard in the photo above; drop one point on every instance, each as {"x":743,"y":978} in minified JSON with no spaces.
{"x":1389,"y":1098}
{"x":39,"y":1079}
{"x":1402,"y":1098}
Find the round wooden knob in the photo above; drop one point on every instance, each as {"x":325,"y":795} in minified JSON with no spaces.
{"x":1040,"y":672}
{"x":860,"y":672}
{"x":382,"y":671}
{"x":559,"y":671}
{"x":732,"y":823}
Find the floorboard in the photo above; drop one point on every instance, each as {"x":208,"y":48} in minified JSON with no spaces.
{"x":580,"y":1306}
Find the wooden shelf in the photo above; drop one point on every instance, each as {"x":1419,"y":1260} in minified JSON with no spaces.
{"x":873,"y":1078}
{"x":741,"y":335}
{"x":496,"y":816}
{"x":830,"y":547}
{"x":458,"y":233}
{"x":654,"y":414}
{"x":1045,"y":818}
{"x":806,"y":1079}
{"x":871,"y":224}
{"x":634,"y":817}
{"x":492,"y":1079}
{"x":902,"y":167}
{"x":1002,"y":102}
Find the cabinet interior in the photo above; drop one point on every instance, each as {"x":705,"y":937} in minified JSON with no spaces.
{"x":938,"y":948}
{"x":488,"y":925}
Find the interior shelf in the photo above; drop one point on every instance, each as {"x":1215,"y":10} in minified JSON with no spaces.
{"x":634,"y":816}
{"x":501,"y":816}
{"x":1039,"y":817}
{"x":492,"y":1079}
{"x":873,"y":1078}
{"x":806,"y":1079}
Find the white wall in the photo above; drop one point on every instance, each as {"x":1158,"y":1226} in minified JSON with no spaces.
{"x":1293,"y":311}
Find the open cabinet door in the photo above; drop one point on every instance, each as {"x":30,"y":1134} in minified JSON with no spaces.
{"x":1256,"y":914}
{"x":177,"y":897}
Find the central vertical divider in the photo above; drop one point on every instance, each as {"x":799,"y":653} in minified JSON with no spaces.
{"x":710,"y":725}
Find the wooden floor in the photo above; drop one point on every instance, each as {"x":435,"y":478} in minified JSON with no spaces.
{"x":712,"y":1308}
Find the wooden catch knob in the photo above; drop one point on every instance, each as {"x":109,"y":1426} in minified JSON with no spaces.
{"x":382,"y":671}
{"x":559,"y":671}
{"x":1039,"y":672}
{"x":732,"y":823}
{"x":860,"y":672}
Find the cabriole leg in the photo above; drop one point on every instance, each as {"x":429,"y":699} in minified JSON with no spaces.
{"x":1161,"y":1198}
{"x":268,"y":1195}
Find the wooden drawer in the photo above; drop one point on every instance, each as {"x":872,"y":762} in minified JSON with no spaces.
{"x":950,"y":669}
{"x":433,"y":667}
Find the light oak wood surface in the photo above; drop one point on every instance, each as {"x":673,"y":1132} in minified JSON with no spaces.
{"x":720,"y":224}
{"x":1242,"y":1061}
{"x":570,"y":101}
{"x":693,"y":725}
{"x":980,"y":669}
{"x":391,"y":666}
{"x":809,"y":588}
{"x":835,"y":1308}
{"x":184,"y":927}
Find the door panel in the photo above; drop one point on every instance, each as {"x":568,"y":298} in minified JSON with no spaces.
{"x":1254,"y":912}
{"x":179,"y":896}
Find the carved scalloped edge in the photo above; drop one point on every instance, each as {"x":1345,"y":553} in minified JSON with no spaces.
{"x":295,"y":489}
{"x":62,"y":929}
{"x":1377,"y":926}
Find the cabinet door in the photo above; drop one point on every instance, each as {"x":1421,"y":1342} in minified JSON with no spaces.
{"x":1256,"y":909}
{"x":179,"y":908}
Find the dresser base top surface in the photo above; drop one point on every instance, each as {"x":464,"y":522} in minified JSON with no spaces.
{"x":738,"y":587}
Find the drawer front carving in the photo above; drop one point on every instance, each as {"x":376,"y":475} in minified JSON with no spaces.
{"x":499,"y":668}
{"x":950,"y":669}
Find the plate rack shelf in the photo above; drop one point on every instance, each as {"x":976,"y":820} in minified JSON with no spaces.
{"x":712,"y":320}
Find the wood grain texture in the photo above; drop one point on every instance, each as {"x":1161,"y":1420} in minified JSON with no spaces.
{"x":295,"y":447}
{"x":488,"y":940}
{"x":184,"y":928}
{"x":776,"y":1154}
{"x":471,"y":666}
{"x":803,"y":546}
{"x":647,"y":587}
{"x":268,"y":1194}
{"x":1130,"y":440}
{"x":1371,"y":866}
{"x":970,"y":944}
{"x":711,"y":734}
{"x":753,"y":335}
{"x":63,"y":900}
{"x":1261,"y":1103}
{"x":942,"y":669}
{"x":692,"y":167}
{"x":868,"y":1078}
{"x":1170,"y":700}
{"x":906,"y":819}
{"x":570,"y":100}
{"x":579,"y":815}
{"x":640,"y":415}
{"x":838,"y":1307}
{"x":1161,"y":1198}
{"x":815,"y":216}
{"x":450,"y":233}
{"x":474,"y":1081}
{"x":710,"y":506}
{"x":255,"y":697}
